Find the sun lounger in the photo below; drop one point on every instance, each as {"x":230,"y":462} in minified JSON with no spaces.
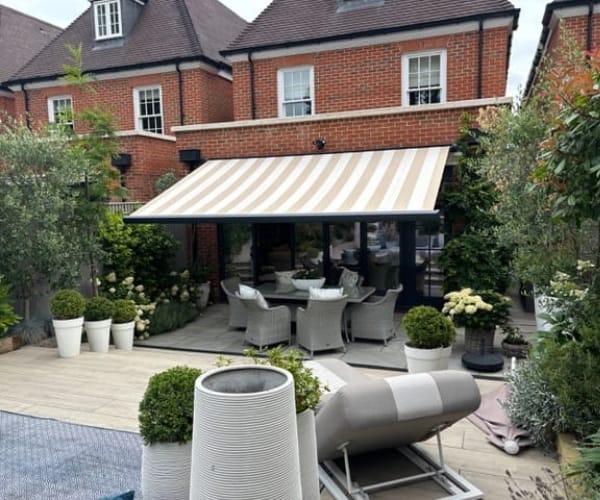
{"x":365,"y":414}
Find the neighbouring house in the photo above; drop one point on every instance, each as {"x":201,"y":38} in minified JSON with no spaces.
{"x":156,"y":64}
{"x":577,"y":20}
{"x":345,"y":113}
{"x":21,"y":38}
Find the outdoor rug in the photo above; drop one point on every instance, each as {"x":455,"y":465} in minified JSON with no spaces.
{"x":42,"y":459}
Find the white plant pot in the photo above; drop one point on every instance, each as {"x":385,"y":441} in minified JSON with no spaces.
{"x":204,"y":291}
{"x":166,"y":471}
{"x":68,"y":336}
{"x":307,"y":448}
{"x":98,"y":334}
{"x":543,"y":304}
{"x":122,"y":334}
{"x":245,"y":442}
{"x":426,"y":360}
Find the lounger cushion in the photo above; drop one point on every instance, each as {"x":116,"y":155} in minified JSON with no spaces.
{"x":392,"y":412}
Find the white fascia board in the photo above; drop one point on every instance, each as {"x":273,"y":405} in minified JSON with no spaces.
{"x":581,"y":10}
{"x":365,"y":41}
{"x":363,"y":113}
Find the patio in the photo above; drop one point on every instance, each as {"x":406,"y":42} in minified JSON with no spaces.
{"x":210,"y":334}
{"x":104,"y":390}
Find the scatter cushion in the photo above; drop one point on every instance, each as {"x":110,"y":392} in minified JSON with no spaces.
{"x":324,"y":293}
{"x":349,"y":279}
{"x":247,"y":292}
{"x":284,"y":277}
{"x":128,"y":495}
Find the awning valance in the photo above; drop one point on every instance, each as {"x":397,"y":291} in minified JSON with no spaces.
{"x":368,"y":185}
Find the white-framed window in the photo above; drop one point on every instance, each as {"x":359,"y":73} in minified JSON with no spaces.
{"x":107,"y":19}
{"x":296,"y":90}
{"x":148,"y":109}
{"x":60,"y":110}
{"x":424,"y":78}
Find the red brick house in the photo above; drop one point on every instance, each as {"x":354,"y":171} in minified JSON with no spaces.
{"x":344,"y":115}
{"x":156,"y":64}
{"x":21,"y":38}
{"x":577,"y":19}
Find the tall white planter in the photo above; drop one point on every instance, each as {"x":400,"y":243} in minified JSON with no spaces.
{"x":204,"y":295}
{"x":427,"y":360}
{"x":98,"y":334}
{"x":166,"y":471}
{"x":245,"y":443}
{"x":68,"y":336}
{"x":307,"y":448}
{"x":122,"y":334}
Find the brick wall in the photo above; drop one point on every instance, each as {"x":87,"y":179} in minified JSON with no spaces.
{"x":370,"y":77}
{"x":289,"y":136}
{"x":7,"y":106}
{"x":206,"y":98}
{"x":575,"y":28}
{"x":150,"y":158}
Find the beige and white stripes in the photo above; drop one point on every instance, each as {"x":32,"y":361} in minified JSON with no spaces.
{"x":373,"y":183}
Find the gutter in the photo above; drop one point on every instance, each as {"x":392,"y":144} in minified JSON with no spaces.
{"x":252,"y":87}
{"x":26,"y":100}
{"x":480,"y":61}
{"x":180,"y":86}
{"x":385,"y":31}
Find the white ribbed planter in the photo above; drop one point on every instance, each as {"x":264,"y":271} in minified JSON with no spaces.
{"x":307,"y":448}
{"x":122,"y":334}
{"x":166,"y":471}
{"x":98,"y":334}
{"x":204,"y":295}
{"x":245,"y":443}
{"x":68,"y":336}
{"x":427,"y":360}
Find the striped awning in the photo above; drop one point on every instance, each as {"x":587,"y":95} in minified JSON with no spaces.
{"x":371,"y":185}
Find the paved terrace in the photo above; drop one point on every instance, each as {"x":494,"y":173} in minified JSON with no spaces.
{"x":104,"y":390}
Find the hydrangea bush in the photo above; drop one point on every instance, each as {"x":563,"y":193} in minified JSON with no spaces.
{"x":471,"y":309}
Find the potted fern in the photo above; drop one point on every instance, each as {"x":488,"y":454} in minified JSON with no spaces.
{"x":123,"y":323}
{"x":97,"y":319}
{"x":430,"y":336}
{"x":166,"y":415}
{"x":67,"y":307}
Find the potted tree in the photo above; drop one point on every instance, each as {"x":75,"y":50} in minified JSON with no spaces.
{"x":430,"y":336}
{"x":166,"y":424}
{"x":67,"y":307}
{"x":123,"y":324}
{"x":97,"y":319}
{"x":308,"y":391}
{"x":514,"y":344}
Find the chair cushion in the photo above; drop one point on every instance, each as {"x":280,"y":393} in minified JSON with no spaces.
{"x":324,"y":293}
{"x":284,"y":277}
{"x":348,"y":278}
{"x":247,"y":292}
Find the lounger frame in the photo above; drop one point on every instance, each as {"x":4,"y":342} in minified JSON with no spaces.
{"x":340,"y":485}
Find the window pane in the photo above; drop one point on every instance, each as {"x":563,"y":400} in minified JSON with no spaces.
{"x":413,"y":65}
{"x":435,"y":63}
{"x":424,"y":64}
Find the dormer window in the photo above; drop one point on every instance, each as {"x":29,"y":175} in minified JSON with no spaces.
{"x":107,"y":19}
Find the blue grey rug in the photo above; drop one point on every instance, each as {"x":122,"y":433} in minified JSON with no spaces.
{"x":42,"y":459}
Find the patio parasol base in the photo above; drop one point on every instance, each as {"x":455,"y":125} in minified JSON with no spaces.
{"x":486,"y":362}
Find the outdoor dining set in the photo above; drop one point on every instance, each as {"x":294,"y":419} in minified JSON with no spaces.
{"x":322,"y":318}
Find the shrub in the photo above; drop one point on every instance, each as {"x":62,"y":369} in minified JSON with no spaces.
{"x":428,"y":328}
{"x":307,"y":388}
{"x":67,"y":304}
{"x":166,"y":411}
{"x":169,"y":316}
{"x":307,"y":274}
{"x":124,"y":311}
{"x":8,"y":317}
{"x":476,"y":261}
{"x":98,"y":309}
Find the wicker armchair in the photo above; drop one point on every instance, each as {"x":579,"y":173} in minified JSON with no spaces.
{"x":237,"y":312}
{"x":266,"y":326}
{"x":375,"y":320}
{"x":319,"y":326}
